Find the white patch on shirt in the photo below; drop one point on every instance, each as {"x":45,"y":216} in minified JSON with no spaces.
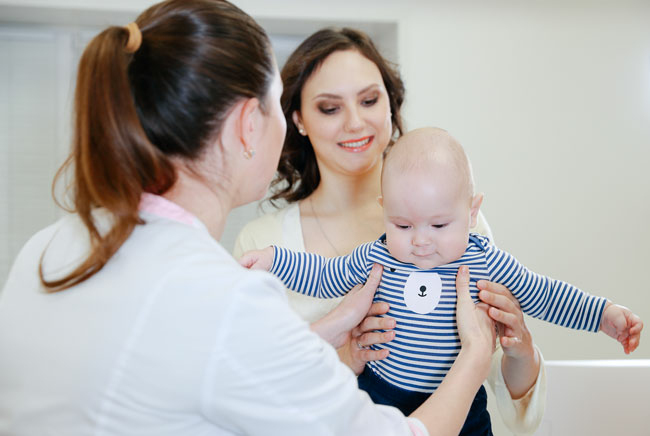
{"x":422,"y":291}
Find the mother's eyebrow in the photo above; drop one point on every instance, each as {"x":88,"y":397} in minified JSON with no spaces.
{"x":336,"y":96}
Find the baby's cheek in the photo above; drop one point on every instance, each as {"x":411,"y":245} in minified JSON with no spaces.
{"x":397,"y":248}
{"x":454,"y":248}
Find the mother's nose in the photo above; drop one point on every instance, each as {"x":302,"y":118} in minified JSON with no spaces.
{"x":353,"y":120}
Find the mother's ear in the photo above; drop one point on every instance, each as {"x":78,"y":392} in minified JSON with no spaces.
{"x":297,"y":120}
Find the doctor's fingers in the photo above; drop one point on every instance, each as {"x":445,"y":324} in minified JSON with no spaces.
{"x":374,"y":338}
{"x":372,"y":323}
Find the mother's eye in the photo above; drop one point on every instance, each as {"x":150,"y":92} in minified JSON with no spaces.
{"x":369,"y":101}
{"x":328,"y":110}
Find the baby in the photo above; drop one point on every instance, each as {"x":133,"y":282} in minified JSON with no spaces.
{"x":429,"y":206}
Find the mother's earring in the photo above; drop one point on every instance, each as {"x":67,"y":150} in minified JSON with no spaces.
{"x":302,"y":131}
{"x":248,"y":154}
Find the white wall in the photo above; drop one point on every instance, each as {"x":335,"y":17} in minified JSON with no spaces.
{"x":551,"y":100}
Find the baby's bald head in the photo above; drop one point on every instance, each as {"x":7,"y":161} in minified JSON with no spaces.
{"x":436,"y":152}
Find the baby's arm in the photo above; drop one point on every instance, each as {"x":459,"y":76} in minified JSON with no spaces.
{"x":311,"y":274}
{"x":621,"y":324}
{"x":562,"y":303}
{"x":545,"y":298}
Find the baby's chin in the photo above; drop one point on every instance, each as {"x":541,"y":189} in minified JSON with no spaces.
{"x":423,"y":262}
{"x":426,"y":264}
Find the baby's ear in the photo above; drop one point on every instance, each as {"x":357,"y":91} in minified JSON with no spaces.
{"x":380,"y":200}
{"x":474,"y":208}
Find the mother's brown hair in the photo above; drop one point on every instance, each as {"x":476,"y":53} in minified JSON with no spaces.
{"x":298,"y":174}
{"x":134,"y":112}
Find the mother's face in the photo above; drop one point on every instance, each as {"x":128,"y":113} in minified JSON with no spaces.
{"x":345,"y":111}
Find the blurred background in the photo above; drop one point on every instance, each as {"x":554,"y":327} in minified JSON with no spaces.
{"x":551,"y":100}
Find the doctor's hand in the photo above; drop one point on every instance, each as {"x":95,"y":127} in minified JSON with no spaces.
{"x":356,"y":352}
{"x":337,"y":326}
{"x":475,"y":328}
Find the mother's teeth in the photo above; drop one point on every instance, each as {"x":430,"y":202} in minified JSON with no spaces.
{"x":355,"y":144}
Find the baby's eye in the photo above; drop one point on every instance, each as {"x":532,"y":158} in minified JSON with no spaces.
{"x":439,"y":226}
{"x":405,"y":227}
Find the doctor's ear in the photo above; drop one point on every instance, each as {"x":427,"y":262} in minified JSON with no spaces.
{"x":241,"y":126}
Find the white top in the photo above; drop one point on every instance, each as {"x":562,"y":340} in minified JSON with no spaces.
{"x":283,"y":228}
{"x":171,"y":337}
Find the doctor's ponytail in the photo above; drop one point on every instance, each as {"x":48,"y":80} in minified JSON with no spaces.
{"x":154,"y":90}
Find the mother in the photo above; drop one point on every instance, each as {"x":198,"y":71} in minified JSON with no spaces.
{"x":342,"y":103}
{"x":128,"y":317}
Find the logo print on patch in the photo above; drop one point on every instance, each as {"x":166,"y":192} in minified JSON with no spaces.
{"x":422,"y":291}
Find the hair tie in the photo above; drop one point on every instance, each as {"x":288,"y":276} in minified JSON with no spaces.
{"x":135,"y":38}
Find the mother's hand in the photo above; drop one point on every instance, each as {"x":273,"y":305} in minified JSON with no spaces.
{"x":520,"y":364}
{"x":514,"y":336}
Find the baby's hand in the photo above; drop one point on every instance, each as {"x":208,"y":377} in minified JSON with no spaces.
{"x":621,"y":324}
{"x":258,"y":259}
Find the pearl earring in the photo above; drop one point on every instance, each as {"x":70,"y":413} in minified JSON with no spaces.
{"x":302,"y":131}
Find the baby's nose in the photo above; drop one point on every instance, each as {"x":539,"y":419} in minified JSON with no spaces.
{"x":421,"y":238}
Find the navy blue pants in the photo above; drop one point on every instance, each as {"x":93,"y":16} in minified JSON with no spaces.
{"x":477,"y":422}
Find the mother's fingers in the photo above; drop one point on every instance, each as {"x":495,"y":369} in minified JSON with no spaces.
{"x":500,"y":300}
{"x":507,"y":318}
{"x":496,"y":288}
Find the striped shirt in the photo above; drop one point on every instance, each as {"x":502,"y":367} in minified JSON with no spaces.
{"x":426,"y":336}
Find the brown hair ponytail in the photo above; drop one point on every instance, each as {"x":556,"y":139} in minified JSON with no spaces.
{"x":133,"y":111}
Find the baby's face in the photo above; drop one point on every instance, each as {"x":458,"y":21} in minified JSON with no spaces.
{"x":427,"y":218}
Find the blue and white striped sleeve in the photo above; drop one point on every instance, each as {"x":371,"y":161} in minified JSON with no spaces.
{"x":545,"y":298}
{"x":317,"y":276}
